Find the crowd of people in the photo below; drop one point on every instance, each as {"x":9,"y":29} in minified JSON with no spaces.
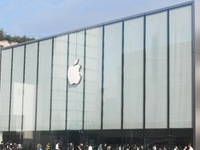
{"x":81,"y":146}
{"x":10,"y":146}
{"x":189,"y":147}
{"x":141,"y":147}
{"x":70,"y":146}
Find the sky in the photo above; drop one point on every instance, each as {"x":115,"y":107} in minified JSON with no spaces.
{"x":42,"y":18}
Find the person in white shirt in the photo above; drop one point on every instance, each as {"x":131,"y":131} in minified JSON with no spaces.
{"x":175,"y":148}
{"x":190,"y":146}
{"x":90,"y":147}
{"x":154,"y":147}
{"x":57,"y":146}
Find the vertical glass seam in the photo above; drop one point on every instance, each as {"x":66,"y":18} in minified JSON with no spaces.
{"x":168,"y":78}
{"x":10,"y":90}
{"x":23,"y":88}
{"x":122,"y":84}
{"x":66,"y":116}
{"x":193,"y":88}
{"x":144,"y":77}
{"x":52,"y":54}
{"x":36,"y":100}
{"x":168,"y":72}
{"x":84,"y":70}
{"x":102,"y":81}
{"x":122,"y":78}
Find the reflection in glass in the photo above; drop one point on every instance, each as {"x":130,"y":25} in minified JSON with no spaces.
{"x":112,"y":76}
{"x":180,"y":68}
{"x":133,"y":73}
{"x":30,"y":87}
{"x":44,"y":85}
{"x":5,"y":88}
{"x":156,"y":71}
{"x":17,"y":89}
{"x":75,"y":92}
{"x":59,"y":83}
{"x":93,"y":75}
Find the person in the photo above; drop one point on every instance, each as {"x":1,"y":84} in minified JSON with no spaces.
{"x":47,"y":147}
{"x":14,"y":146}
{"x":10,"y":146}
{"x":190,"y":146}
{"x":164,"y":148}
{"x":105,"y":146}
{"x":100,"y":147}
{"x":119,"y":147}
{"x":19,"y":146}
{"x":57,"y":146}
{"x":71,"y":146}
{"x":1,"y":145}
{"x":80,"y":147}
{"x":185,"y":148}
{"x":175,"y":148}
{"x":30,"y":147}
{"x":90,"y":147}
{"x":38,"y":146}
{"x":154,"y":147}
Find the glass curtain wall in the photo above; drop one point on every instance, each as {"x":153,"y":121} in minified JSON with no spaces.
{"x":17,"y":89}
{"x":93,"y":79}
{"x":75,"y":92}
{"x":133,"y":73}
{"x":180,"y":68}
{"x":29,"y":101}
{"x":156,"y":71}
{"x":44,"y":85}
{"x":6,"y":59}
{"x":59,"y":83}
{"x":112,"y":76}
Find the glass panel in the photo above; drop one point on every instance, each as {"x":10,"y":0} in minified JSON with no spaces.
{"x":156,"y":71}
{"x":75,"y":92}
{"x":112,"y":76}
{"x":30,"y":87}
{"x":180,"y":68}
{"x":133,"y":73}
{"x":111,"y":138}
{"x":93,"y":79}
{"x":133,"y":139}
{"x":157,"y":139}
{"x":181,"y":137}
{"x":44,"y":85}
{"x":59,"y":83}
{"x":28,"y":140}
{"x":5,"y":88}
{"x":17,"y":89}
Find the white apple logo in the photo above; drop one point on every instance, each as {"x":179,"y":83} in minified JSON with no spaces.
{"x":74,"y":76}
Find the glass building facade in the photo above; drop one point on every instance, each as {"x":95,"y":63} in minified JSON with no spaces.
{"x":136,"y":86}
